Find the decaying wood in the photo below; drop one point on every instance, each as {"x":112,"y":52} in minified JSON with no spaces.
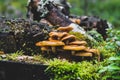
{"x":58,"y":18}
{"x":55,"y":17}
{"x":21,"y":34}
{"x":90,"y":22}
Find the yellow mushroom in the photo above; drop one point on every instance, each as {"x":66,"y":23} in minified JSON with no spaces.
{"x":2,"y":52}
{"x":45,"y":48}
{"x":52,"y":44}
{"x":53,"y":35}
{"x":62,"y":35}
{"x":75,"y":20}
{"x":78,"y":43}
{"x":74,"y":48}
{"x":68,"y":39}
{"x":57,"y":35}
{"x":83,"y":54}
{"x":94,"y":51}
{"x":65,"y":29}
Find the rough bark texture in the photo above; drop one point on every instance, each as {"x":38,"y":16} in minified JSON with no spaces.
{"x":91,"y":22}
{"x":55,"y":17}
{"x":21,"y":34}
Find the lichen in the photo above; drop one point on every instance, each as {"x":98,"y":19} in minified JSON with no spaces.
{"x":42,"y":7}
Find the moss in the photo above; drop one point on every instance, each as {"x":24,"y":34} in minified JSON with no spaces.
{"x":64,"y":70}
{"x":78,"y":35}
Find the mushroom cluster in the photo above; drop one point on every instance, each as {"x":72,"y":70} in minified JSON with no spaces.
{"x":61,"y":40}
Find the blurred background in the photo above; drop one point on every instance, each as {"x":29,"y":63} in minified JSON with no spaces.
{"x":105,"y":9}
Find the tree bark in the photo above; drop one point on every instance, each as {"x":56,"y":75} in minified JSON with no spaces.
{"x":55,"y":17}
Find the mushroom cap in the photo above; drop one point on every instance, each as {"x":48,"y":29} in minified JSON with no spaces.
{"x":74,"y":47}
{"x":95,"y":51}
{"x":53,"y":35}
{"x":75,"y":20}
{"x":65,"y":29}
{"x":44,"y":48}
{"x":69,"y":37}
{"x":2,"y":52}
{"x":84,"y":54}
{"x":63,"y":34}
{"x":50,"y":43}
{"x":78,"y":43}
{"x":78,"y":21}
{"x":57,"y":35}
{"x":53,"y":40}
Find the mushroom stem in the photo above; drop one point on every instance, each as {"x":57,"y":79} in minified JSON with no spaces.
{"x":53,"y":49}
{"x":48,"y":52}
{"x":1,"y":52}
{"x":67,"y":42}
{"x":72,"y":52}
{"x":42,"y":52}
{"x":44,"y":48}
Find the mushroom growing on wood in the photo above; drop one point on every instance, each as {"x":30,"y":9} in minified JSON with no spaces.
{"x":45,"y":48}
{"x":68,"y":39}
{"x":78,"y":43}
{"x":1,"y":52}
{"x":53,"y":35}
{"x":52,"y":44}
{"x":84,"y":54}
{"x":52,"y":39}
{"x":74,"y":48}
{"x":62,"y":35}
{"x":65,"y":29}
{"x":57,"y":35}
{"x":75,"y":20}
{"x":95,"y":52}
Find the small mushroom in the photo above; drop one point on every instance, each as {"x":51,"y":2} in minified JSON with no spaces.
{"x":52,"y":44}
{"x":62,"y":35}
{"x":45,"y":48}
{"x":2,"y":52}
{"x":68,"y":39}
{"x":95,"y":52}
{"x":77,"y":21}
{"x":65,"y":29}
{"x":84,"y":54}
{"x":74,"y":48}
{"x":78,"y":43}
{"x":53,"y":35}
{"x":51,"y":39}
{"x":57,"y":35}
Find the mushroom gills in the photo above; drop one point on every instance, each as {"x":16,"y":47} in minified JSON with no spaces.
{"x":68,"y":39}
